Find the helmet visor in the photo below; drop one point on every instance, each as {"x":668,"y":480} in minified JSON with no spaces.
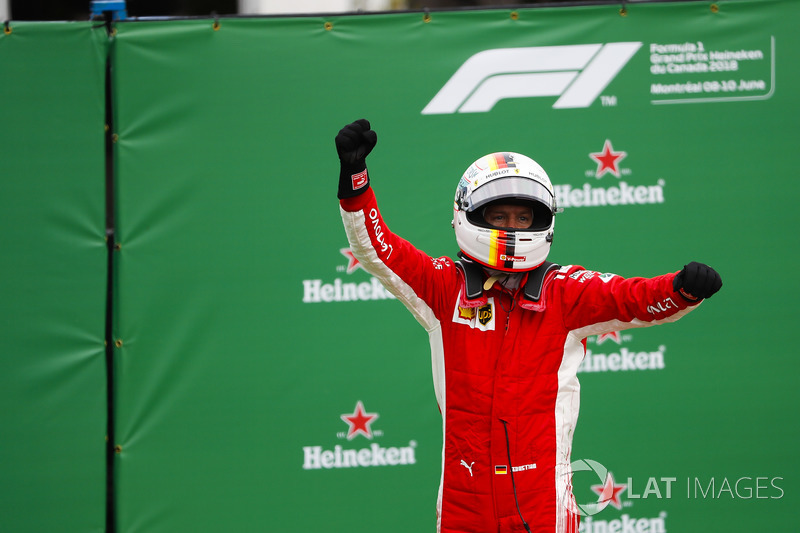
{"x":510,"y":188}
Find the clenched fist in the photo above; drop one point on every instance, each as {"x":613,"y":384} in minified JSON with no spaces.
{"x":697,"y":281}
{"x":354,"y":142}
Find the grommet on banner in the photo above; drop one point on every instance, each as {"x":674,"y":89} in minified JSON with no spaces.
{"x":714,"y":8}
{"x":514,"y":15}
{"x":118,"y":343}
{"x":118,"y":449}
{"x":6,"y":28}
{"x":328,"y":26}
{"x":426,"y":16}
{"x":623,"y":11}
{"x":215,"y":25}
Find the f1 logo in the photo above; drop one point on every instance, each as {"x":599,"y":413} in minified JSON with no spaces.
{"x":577,"y":73}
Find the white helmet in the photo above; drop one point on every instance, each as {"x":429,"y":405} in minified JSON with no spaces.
{"x":504,"y":177}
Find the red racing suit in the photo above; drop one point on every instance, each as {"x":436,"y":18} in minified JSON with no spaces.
{"x":505,"y":375}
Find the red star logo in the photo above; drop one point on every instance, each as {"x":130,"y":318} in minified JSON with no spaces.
{"x":359,"y":422}
{"x":613,"y":336}
{"x":609,"y":492}
{"x":352,"y":262}
{"x":607,"y":160}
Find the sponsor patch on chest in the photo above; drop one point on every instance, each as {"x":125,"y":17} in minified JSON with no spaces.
{"x":481,"y":318}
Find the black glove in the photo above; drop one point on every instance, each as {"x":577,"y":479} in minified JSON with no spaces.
{"x":354,"y":142}
{"x":697,"y":281}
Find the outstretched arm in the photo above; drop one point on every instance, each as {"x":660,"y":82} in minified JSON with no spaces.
{"x":598,"y":303}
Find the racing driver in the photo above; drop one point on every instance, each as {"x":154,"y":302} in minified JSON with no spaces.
{"x":507,"y":333}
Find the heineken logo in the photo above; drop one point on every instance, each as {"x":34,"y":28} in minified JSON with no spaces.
{"x":344,"y":290}
{"x":608,"y":161}
{"x":359,"y":424}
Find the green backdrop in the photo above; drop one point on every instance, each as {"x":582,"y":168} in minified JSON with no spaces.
{"x":52,"y":278}
{"x":263,"y":381}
